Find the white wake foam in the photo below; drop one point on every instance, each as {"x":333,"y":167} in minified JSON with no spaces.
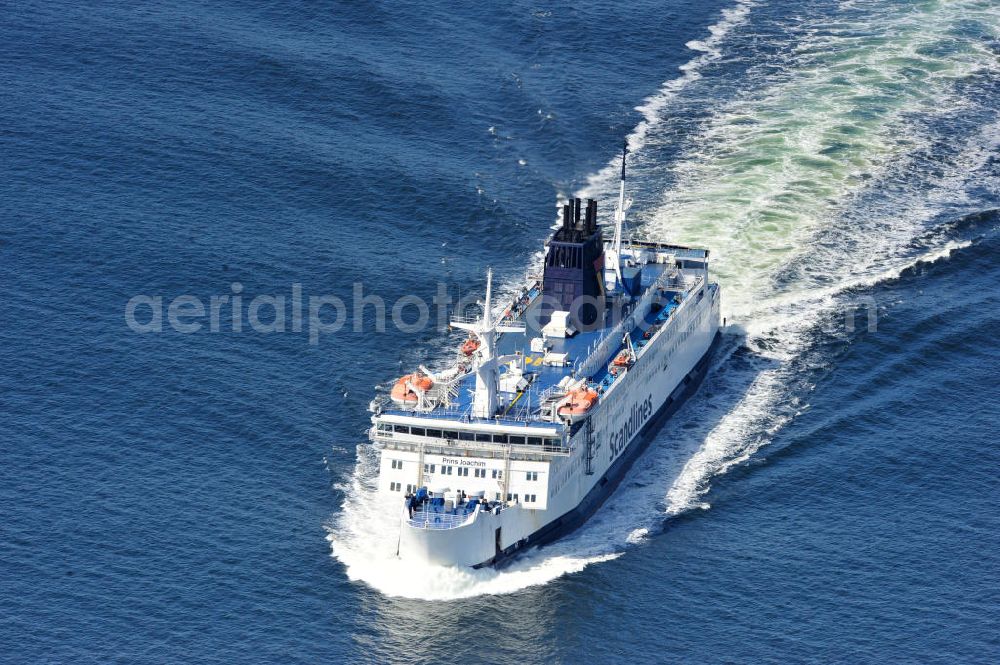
{"x":653,"y":107}
{"x":811,"y":167}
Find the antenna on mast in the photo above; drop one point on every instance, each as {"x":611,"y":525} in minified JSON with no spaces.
{"x":616,"y":244}
{"x":488,"y":305}
{"x":624,"y":152}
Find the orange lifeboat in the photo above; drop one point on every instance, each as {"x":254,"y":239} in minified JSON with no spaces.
{"x":402,"y":393}
{"x":578,"y":403}
{"x":622,"y":359}
{"x":470,"y":345}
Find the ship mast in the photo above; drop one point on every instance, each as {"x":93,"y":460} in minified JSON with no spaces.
{"x":616,"y":244}
{"x":486,"y":399}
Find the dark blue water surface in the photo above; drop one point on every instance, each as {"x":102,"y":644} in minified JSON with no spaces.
{"x":168,"y":497}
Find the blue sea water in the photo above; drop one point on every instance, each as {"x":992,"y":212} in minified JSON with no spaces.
{"x":829,"y":495}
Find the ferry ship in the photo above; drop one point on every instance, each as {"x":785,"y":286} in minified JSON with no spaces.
{"x":551,"y":397}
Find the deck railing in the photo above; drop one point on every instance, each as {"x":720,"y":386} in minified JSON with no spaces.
{"x":610,"y":341}
{"x":516,"y":416}
{"x":476,"y":449}
{"x":431,"y":520}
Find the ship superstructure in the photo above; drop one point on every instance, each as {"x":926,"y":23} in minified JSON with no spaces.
{"x":551,"y":396}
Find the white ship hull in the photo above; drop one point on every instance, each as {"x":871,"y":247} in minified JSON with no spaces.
{"x":563,"y":491}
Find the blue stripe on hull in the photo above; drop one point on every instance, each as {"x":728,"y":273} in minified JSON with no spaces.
{"x":575,"y":518}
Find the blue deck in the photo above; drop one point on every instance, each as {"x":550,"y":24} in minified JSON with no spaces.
{"x":604,"y":379}
{"x":577,"y":348}
{"x":523,"y":409}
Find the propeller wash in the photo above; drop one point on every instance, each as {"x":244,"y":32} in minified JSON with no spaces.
{"x":550,"y":402}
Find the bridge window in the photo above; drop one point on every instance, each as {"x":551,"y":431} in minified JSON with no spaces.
{"x":484,"y":437}
{"x":436,"y":433}
{"x":401,"y":429}
{"x":499,"y":438}
{"x":419,"y":431}
{"x":466,"y":436}
{"x":450,"y":434}
{"x":516,"y":440}
{"x":534,"y":440}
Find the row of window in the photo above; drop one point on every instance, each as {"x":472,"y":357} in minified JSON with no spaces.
{"x":528,"y":498}
{"x":447,"y":470}
{"x":469,"y":436}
